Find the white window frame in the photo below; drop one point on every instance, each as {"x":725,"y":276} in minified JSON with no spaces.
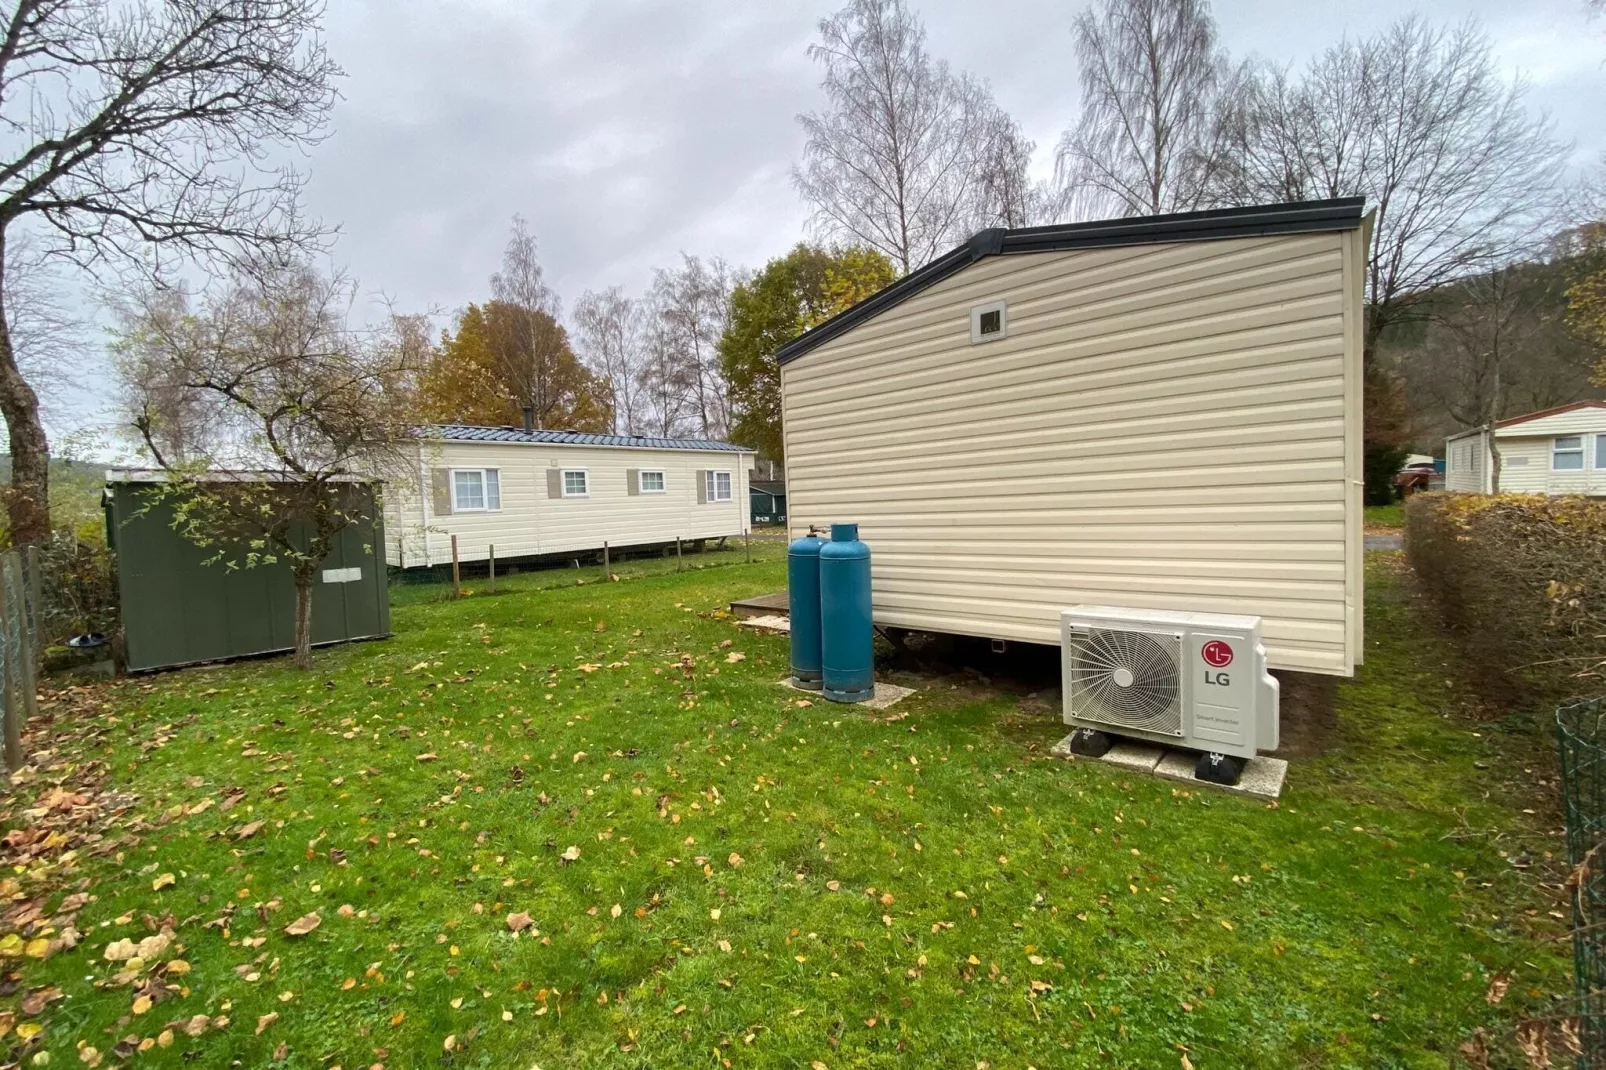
{"x":1000,"y":307}
{"x":1557,"y":450}
{"x":485,"y":475}
{"x":711,"y":485}
{"x":563,"y":482}
{"x":641,"y":481}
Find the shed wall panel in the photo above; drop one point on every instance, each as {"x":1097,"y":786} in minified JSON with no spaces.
{"x":1165,"y":426}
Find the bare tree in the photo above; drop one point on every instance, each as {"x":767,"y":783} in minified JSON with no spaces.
{"x":1419,"y":120}
{"x":608,"y":331}
{"x":529,"y":343}
{"x":663,"y":406}
{"x":896,"y":160}
{"x":1005,"y":195}
{"x":137,"y":124}
{"x":297,"y":408}
{"x":1151,"y":74}
{"x":692,"y":303}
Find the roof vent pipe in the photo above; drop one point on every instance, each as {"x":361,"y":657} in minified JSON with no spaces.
{"x":529,"y":419}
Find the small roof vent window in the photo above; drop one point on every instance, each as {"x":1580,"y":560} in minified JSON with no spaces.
{"x":989,"y":322}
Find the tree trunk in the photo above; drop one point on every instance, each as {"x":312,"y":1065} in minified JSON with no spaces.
{"x":303,"y":620}
{"x":28,"y":498}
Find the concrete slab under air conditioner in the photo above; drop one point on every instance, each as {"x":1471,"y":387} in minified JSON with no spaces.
{"x":1262,"y":778}
{"x":1137,"y":757}
{"x":781,"y":625}
{"x":885,"y":695}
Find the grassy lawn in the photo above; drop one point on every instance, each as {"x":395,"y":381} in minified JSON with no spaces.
{"x":1385,"y":516}
{"x":706,"y":870}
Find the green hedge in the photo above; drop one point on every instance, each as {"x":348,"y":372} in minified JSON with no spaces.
{"x":1520,"y":580}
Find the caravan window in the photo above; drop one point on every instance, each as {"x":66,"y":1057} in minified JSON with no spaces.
{"x":1567,"y":453}
{"x":476,"y":490}
{"x":718,"y":486}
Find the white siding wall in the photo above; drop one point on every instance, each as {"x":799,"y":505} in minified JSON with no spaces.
{"x":1171,"y":426}
{"x":1526,"y":467}
{"x":530,"y":522}
{"x":1465,"y":467}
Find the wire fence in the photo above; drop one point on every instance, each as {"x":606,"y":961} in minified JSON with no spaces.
{"x":1581,"y":736}
{"x":482,"y":569}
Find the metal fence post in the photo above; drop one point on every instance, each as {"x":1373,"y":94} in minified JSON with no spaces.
{"x":605,"y":560}
{"x":747,"y":544}
{"x":490,"y":550}
{"x":678,"y":564}
{"x":28,"y":626}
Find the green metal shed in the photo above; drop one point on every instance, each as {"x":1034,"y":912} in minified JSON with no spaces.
{"x":178,"y":610}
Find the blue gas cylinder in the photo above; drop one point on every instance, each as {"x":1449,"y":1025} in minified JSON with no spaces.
{"x":847,"y":651}
{"x":803,"y":602}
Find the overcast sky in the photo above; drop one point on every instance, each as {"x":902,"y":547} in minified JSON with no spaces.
{"x":626,"y":132}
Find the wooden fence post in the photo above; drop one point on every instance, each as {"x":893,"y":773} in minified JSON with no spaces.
{"x":604,"y":560}
{"x":457,"y":579}
{"x":491,"y":550}
{"x":8,"y":673}
{"x":29,"y":625}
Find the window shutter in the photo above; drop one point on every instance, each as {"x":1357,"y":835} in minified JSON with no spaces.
{"x":702,"y":487}
{"x":554,"y":483}
{"x":632,"y":481}
{"x":440,"y":485}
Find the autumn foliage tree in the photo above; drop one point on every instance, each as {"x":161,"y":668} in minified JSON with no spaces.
{"x":467,"y":378}
{"x":805,"y":287}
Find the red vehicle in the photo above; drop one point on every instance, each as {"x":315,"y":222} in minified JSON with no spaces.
{"x":1414,"y":477}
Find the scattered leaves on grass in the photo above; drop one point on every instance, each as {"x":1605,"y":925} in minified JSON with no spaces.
{"x":520,"y":921}
{"x":570,"y":853}
{"x":303,"y":925}
{"x":266,"y":1020}
{"x":163,"y":881}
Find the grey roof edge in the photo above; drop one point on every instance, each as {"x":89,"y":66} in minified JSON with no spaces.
{"x":1295,"y":217}
{"x":514,"y":436}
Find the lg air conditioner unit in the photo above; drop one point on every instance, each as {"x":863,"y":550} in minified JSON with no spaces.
{"x":1190,"y":680}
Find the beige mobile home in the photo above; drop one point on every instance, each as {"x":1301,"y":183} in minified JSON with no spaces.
{"x":532,"y":493}
{"x":1553,"y":451}
{"x":1160,"y":413}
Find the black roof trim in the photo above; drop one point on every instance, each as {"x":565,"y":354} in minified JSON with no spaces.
{"x":1299,"y":217}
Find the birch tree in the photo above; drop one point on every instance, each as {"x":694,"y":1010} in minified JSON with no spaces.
{"x":135,"y":132}
{"x":692,"y":302}
{"x":907,"y":156}
{"x":528,"y":341}
{"x":608,"y":333}
{"x":1152,"y":77}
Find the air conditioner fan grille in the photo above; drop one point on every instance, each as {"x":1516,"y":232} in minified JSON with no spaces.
{"x":1127,"y":679}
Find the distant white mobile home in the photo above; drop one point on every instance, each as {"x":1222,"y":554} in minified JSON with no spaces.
{"x":1553,"y":451}
{"x":1157,"y":412}
{"x":532,"y":493}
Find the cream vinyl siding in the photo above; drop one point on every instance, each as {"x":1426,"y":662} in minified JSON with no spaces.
{"x":531,"y":523}
{"x":1525,"y":452}
{"x":1173,"y":426}
{"x":1466,"y":463}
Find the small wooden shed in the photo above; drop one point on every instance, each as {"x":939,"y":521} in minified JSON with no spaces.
{"x":1159,"y":412}
{"x":179,"y":610}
